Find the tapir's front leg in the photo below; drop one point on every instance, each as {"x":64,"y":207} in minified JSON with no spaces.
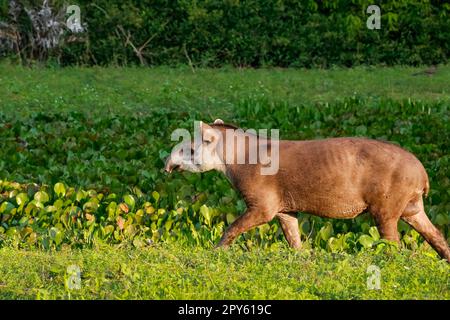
{"x":253,"y":217}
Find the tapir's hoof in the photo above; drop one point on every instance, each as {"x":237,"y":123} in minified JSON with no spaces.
{"x":221,"y":246}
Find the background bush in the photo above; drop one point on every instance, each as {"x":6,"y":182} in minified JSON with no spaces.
{"x":285,"y":33}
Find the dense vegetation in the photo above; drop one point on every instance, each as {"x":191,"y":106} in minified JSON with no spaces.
{"x":74,"y":173}
{"x":248,"y":33}
{"x":178,"y":272}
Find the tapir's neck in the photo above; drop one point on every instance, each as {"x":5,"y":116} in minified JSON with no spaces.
{"x":238,"y":174}
{"x":231,"y":174}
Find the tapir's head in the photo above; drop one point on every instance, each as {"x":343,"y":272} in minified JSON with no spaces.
{"x":199,"y":155}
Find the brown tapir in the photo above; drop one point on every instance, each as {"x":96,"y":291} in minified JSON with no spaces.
{"x":332,"y":178}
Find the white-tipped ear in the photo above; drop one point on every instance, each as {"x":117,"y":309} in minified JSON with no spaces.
{"x":219,"y":121}
{"x":204,"y":126}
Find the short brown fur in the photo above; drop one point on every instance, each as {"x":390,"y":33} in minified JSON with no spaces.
{"x":335,"y":178}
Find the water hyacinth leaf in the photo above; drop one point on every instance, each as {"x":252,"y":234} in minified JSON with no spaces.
{"x":326,"y":231}
{"x":60,"y":203}
{"x":305,"y":227}
{"x":124,"y":207}
{"x":130,"y":230}
{"x":155,"y":195}
{"x":380,"y":247}
{"x":366,"y":241}
{"x":22,"y":199}
{"x":59,"y":237}
{"x":149,"y":208}
{"x":230,"y":218}
{"x":120,"y":222}
{"x":168,"y":224}
{"x":138,"y":192}
{"x":205,"y":211}
{"x":56,"y":235}
{"x":6,"y":207}
{"x":23,"y":221}
{"x":90,"y":206}
{"x":129,"y":200}
{"x":41,"y":197}
{"x":60,"y":189}
{"x":11,"y":232}
{"x":334,"y":244}
{"x":139,"y":215}
{"x":111,"y":196}
{"x":13,"y":193}
{"x":373,"y":231}
{"x":81,"y":195}
{"x":108,"y":230}
{"x":32,"y":239}
{"x":50,"y":209}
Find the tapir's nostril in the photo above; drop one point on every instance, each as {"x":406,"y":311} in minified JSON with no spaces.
{"x":170,"y":166}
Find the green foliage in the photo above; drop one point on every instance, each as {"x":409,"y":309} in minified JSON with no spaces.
{"x":258,"y":33}
{"x":98,"y":168}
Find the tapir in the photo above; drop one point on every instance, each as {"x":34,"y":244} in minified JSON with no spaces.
{"x":332,"y":178}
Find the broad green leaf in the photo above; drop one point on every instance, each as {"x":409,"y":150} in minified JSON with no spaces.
{"x":155,"y":195}
{"x":41,"y":196}
{"x":373,"y":231}
{"x":326,"y":231}
{"x":6,"y":207}
{"x":60,"y":189}
{"x":22,"y":198}
{"x":129,"y":200}
{"x":205,"y":211}
{"x":366,"y":240}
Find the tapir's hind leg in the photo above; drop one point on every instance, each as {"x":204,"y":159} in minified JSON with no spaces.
{"x":423,"y":225}
{"x":386,"y":217}
{"x":387,"y":226}
{"x":289,"y":224}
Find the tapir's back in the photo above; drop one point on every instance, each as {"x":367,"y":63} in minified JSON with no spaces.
{"x":344,"y":176}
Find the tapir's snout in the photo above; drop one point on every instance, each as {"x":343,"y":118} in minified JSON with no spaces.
{"x":170,"y":165}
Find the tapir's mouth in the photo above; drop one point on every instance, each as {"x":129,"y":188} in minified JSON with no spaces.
{"x":171,"y":167}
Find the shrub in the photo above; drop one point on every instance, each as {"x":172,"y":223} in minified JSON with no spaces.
{"x":258,"y":33}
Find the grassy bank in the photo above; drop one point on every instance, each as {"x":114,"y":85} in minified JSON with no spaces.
{"x":217,"y":90}
{"x":178,"y":272}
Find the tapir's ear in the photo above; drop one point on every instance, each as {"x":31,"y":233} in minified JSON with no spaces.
{"x":219,"y":121}
{"x":209,"y":134}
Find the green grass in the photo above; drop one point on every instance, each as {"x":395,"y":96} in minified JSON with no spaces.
{"x":107,"y":131}
{"x":141,"y":89}
{"x":178,"y":272}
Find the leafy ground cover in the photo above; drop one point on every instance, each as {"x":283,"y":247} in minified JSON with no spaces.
{"x":179,"y":272}
{"x":81,"y":157}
